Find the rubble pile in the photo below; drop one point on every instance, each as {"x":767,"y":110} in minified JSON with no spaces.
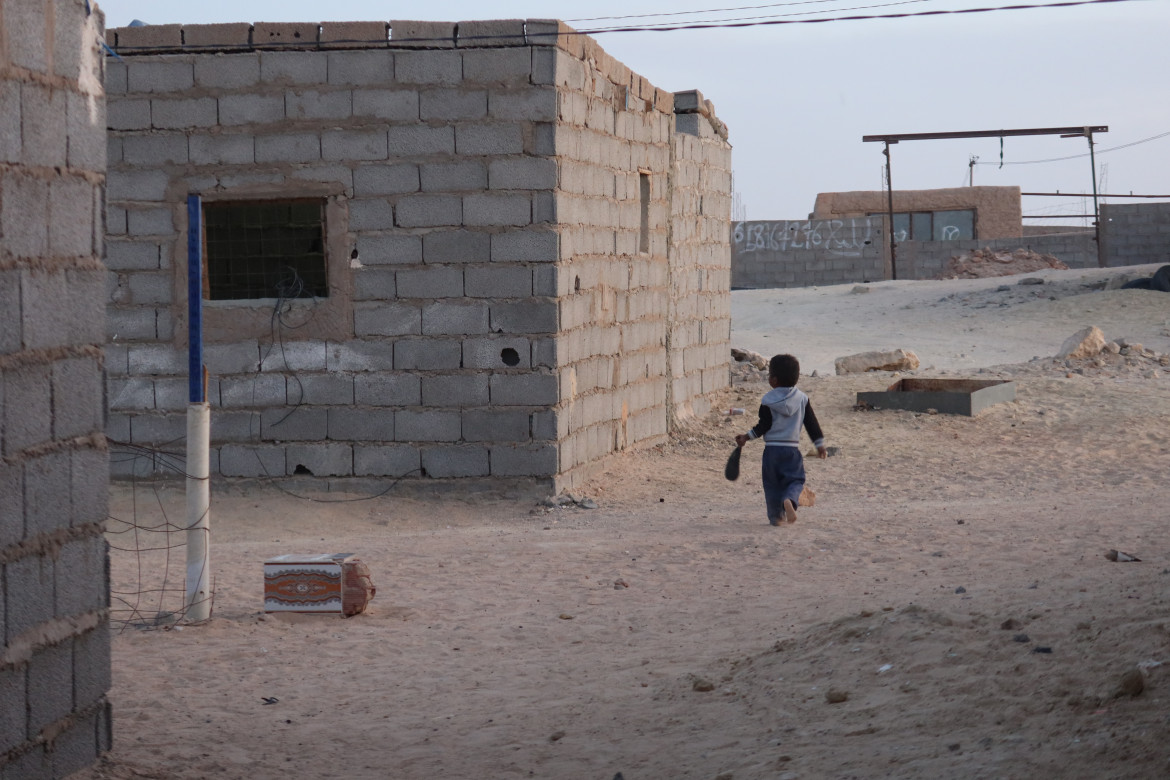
{"x":983,"y":263}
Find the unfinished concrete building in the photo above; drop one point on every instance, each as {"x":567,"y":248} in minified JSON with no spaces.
{"x":436,"y":250}
{"x":54,"y":590}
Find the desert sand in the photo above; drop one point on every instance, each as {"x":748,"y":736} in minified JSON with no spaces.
{"x":945,"y":610}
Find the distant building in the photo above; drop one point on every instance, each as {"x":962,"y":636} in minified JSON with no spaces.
{"x":484,"y":250}
{"x":956,"y":214}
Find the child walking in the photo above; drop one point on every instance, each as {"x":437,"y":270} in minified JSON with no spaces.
{"x":783,"y":410}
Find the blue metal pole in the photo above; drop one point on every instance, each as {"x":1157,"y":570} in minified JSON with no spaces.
{"x":195,"y":298}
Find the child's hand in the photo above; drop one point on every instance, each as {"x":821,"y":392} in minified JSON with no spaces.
{"x":822,"y":453}
{"x":741,"y":440}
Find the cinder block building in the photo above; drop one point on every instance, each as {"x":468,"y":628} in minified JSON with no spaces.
{"x":483,"y":250}
{"x":952,"y":214}
{"x":54,"y":588}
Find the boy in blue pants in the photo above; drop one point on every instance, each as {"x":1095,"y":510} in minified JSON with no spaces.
{"x":783,"y":411}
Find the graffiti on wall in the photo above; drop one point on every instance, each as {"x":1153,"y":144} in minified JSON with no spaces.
{"x":846,"y":237}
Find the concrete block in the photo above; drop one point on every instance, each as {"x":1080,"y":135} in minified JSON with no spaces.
{"x":116,"y":76}
{"x":294,"y":67}
{"x":27,"y":412}
{"x":10,"y":140}
{"x":455,"y":390}
{"x":254,"y":392}
{"x":288,"y":148}
{"x":523,"y":173}
{"x":30,"y":593}
{"x":422,"y":425}
{"x":224,"y":149}
{"x":361,"y":356}
{"x":130,"y":393}
{"x":313,"y":104}
{"x":453,"y":176}
{"x":172,"y":394}
{"x":456,"y":246}
{"x":87,"y":132}
{"x":353,"y":424}
{"x":71,"y":217}
{"x":535,"y":104}
{"x":455,"y":318}
{"x":418,"y":140}
{"x":373,"y":284}
{"x":393,"y":104}
{"x":251,"y":109}
{"x":495,"y":425}
{"x":497,"y":282}
{"x":13,"y":712}
{"x":321,"y":389}
{"x":50,"y":685}
{"x":361,"y":68}
{"x":171,"y":75}
{"x":549,"y":426}
{"x":429,"y":210}
{"x":353,"y":145}
{"x":43,"y":126}
{"x":547,"y":32}
{"x":27,"y":27}
{"x":151,"y":221}
{"x":11,"y":532}
{"x":337,"y":174}
{"x":179,"y":114}
{"x":392,"y":460}
{"x":77,"y":397}
{"x":25,"y":229}
{"x":235,"y":427}
{"x":284,"y":35}
{"x":10,"y":335}
{"x":241,"y":357}
{"x":81,"y":566}
{"x":117,"y":429}
{"x":62,"y":309}
{"x":294,"y":356}
{"x":389,"y":249}
{"x":387,"y":389}
{"x":494,"y":32}
{"x":461,"y":460}
{"x":435,"y":282}
{"x":427,"y":354}
{"x":527,"y":389}
{"x":238,"y":460}
{"x":426,"y":35}
{"x":391,"y":179}
{"x":152,"y":151}
{"x":370,"y":214}
{"x":237,"y":35}
{"x":46,"y":494}
{"x":91,"y":663}
{"x":507,"y":66}
{"x":89,"y":485}
{"x":526,"y":246}
{"x":150,"y":37}
{"x":497,"y":209}
{"x":297,"y":424}
{"x":489,"y":139}
{"x":350,"y":35}
{"x":496,"y":353}
{"x":117,"y":359}
{"x":452,"y":104}
{"x":428,"y":67}
{"x":319,"y":460}
{"x":534,"y":460}
{"x":136,"y":185}
{"x":228,"y":71}
{"x":386,"y":319}
{"x":158,"y":429}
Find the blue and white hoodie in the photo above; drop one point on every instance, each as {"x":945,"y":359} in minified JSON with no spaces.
{"x":783,"y":410}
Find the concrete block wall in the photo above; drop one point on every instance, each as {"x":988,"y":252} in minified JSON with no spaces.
{"x":928,"y":259}
{"x":54,"y":592}
{"x":699,"y":331}
{"x":490,"y":311}
{"x":1135,"y":233}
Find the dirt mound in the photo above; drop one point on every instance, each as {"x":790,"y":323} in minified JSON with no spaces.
{"x":982,"y":263}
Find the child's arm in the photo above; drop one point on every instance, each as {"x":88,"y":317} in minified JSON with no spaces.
{"x":762,"y":427}
{"x":814,"y":431}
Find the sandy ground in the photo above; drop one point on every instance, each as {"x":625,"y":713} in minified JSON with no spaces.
{"x":946,"y":610}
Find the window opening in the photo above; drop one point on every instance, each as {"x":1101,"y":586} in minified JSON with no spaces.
{"x":265,"y":249}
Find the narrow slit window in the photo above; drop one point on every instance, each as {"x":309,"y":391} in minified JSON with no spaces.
{"x":644,"y":206}
{"x":265,"y":249}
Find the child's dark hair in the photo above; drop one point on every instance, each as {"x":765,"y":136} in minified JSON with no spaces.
{"x":786,"y":369}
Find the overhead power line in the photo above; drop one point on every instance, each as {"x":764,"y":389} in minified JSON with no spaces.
{"x":653,"y":25}
{"x":1079,"y":156}
{"x":662,"y":14}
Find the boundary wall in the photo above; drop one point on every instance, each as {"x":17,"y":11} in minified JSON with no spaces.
{"x":527,"y":245}
{"x":54,"y":588}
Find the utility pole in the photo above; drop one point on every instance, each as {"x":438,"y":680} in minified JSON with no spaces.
{"x":971,"y":164}
{"x":890,"y":201}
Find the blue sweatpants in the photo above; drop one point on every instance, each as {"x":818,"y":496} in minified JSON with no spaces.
{"x":783,"y":472}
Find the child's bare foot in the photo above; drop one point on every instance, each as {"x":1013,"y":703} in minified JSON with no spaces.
{"x":789,"y":511}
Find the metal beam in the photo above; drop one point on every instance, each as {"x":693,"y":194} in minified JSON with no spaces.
{"x":895,"y":138}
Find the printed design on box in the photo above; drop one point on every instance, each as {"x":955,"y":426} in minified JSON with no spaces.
{"x":303,"y":588}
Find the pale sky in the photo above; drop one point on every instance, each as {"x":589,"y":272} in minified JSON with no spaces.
{"x":798,"y":98}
